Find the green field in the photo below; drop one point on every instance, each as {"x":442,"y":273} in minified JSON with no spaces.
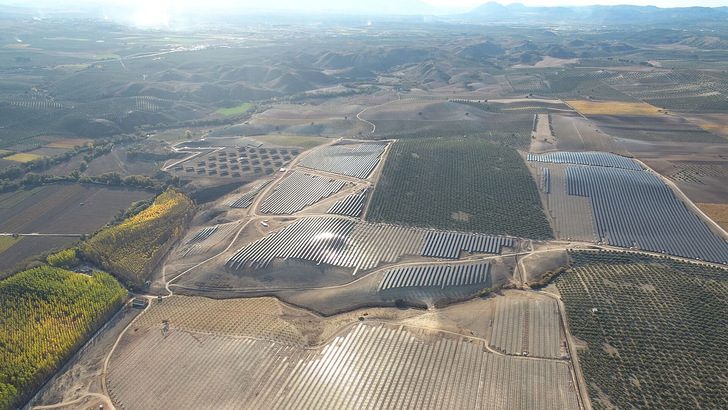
{"x":658,"y":339}
{"x":8,"y":241}
{"x":240,"y":109}
{"x":464,"y":184}
{"x":46,"y":314}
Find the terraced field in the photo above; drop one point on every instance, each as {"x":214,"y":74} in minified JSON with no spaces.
{"x":370,"y":366}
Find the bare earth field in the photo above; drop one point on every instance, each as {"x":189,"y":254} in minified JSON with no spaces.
{"x":67,"y":209}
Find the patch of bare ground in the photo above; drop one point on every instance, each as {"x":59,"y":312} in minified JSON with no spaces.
{"x":716,"y":212}
{"x":536,"y":264}
{"x":692,"y":166}
{"x":461,"y":216}
{"x":541,"y":139}
{"x":576,"y":133}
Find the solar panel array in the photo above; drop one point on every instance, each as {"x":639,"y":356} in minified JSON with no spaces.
{"x":545,"y":180}
{"x":356,"y":162}
{"x":439,"y":244}
{"x":333,"y":241}
{"x":600,"y":159}
{"x":203,"y":234}
{"x":298,"y":191}
{"x":247,"y":198}
{"x":352,"y":205}
{"x":635,"y":208}
{"x":204,"y":240}
{"x":439,"y":276}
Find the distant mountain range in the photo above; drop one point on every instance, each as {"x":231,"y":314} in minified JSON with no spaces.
{"x":625,"y":14}
{"x":491,"y":12}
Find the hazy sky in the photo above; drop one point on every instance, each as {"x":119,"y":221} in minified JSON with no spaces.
{"x":659,"y":3}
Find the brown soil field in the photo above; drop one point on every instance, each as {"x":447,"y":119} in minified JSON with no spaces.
{"x":28,"y":247}
{"x":716,"y":212}
{"x":672,"y":158}
{"x":48,"y":151}
{"x":575,"y":133}
{"x":715,"y":123}
{"x":68,"y":209}
{"x":542,"y":140}
{"x":430,"y":111}
{"x":115,"y":161}
{"x":643,"y":123}
{"x":118,"y":161}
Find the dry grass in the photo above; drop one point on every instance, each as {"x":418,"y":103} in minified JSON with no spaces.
{"x":716,"y":212}
{"x":614,"y":108}
{"x":23,"y":157}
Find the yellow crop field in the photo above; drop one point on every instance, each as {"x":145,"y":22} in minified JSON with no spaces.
{"x":716,"y":212}
{"x":23,"y":157}
{"x":614,"y":108}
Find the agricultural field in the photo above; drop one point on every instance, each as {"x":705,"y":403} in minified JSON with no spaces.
{"x":716,"y":212}
{"x":653,"y":340}
{"x":23,"y":157}
{"x":47,"y":313}
{"x":133,"y":248}
{"x":452,"y":199}
{"x":64,"y":208}
{"x":613,"y":108}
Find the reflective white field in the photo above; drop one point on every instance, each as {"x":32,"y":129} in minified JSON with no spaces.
{"x":371,"y":366}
